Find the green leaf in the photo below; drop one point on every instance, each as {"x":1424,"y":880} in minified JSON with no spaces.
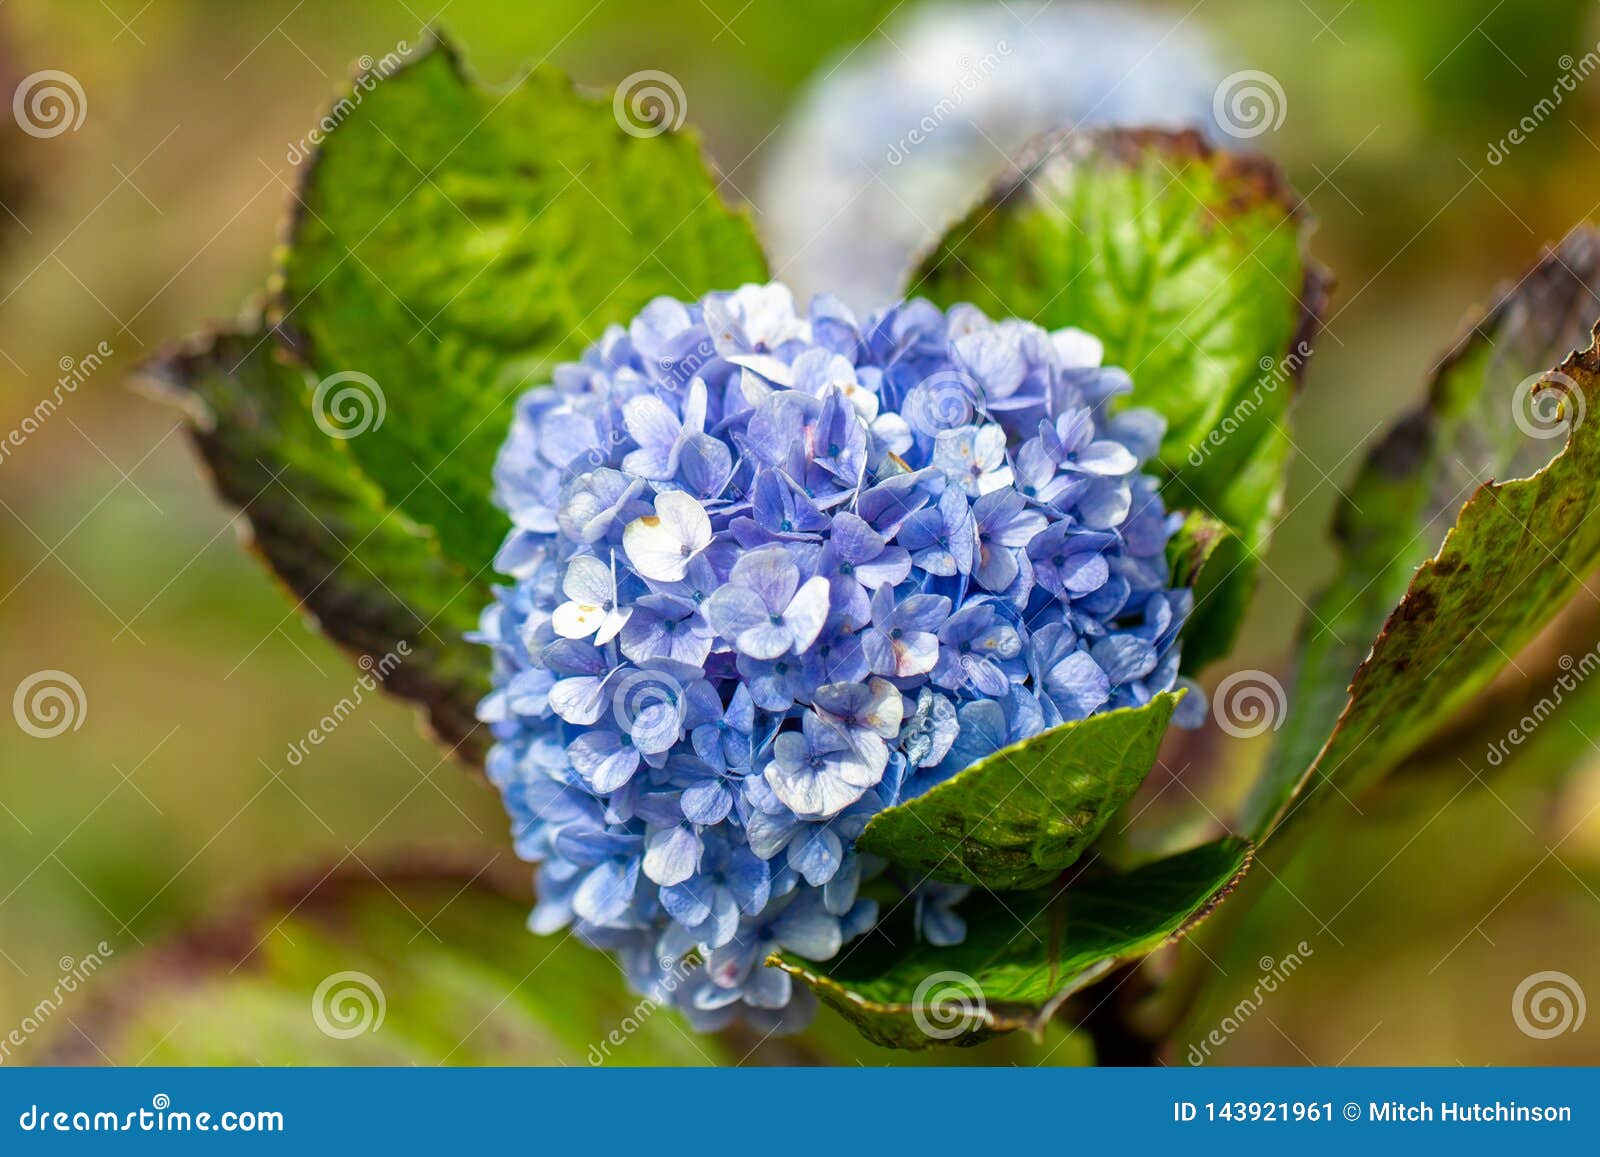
{"x":1191,"y":266}
{"x":1025,"y":954}
{"x":450,"y":246}
{"x":1021,"y":816}
{"x":1204,"y":556}
{"x":1512,"y":561}
{"x":454,"y":244}
{"x":443,"y":955}
{"x":376,"y":582}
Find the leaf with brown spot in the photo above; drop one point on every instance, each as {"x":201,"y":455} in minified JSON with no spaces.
{"x":1518,"y":552}
{"x":376,"y":582}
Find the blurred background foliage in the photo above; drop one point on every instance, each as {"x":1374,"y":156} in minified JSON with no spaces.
{"x":1422,"y":905}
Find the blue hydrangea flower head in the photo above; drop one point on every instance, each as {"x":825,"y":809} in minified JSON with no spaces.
{"x":775,"y":571}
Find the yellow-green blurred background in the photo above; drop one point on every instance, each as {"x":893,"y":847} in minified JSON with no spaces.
{"x":174,"y":798}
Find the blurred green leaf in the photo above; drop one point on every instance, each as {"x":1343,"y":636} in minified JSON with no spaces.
{"x":1394,"y":515}
{"x":428,"y":965}
{"x":1517,"y":553}
{"x":455,"y":244}
{"x":1019,"y":817}
{"x":377,"y":583}
{"x":1191,"y":266}
{"x":1025,"y":952}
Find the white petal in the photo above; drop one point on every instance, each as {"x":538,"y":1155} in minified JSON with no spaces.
{"x":613,"y":624}
{"x":577,"y":620}
{"x":660,"y":545}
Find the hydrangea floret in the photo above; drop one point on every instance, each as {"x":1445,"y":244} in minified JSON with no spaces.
{"x":775,"y":571}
